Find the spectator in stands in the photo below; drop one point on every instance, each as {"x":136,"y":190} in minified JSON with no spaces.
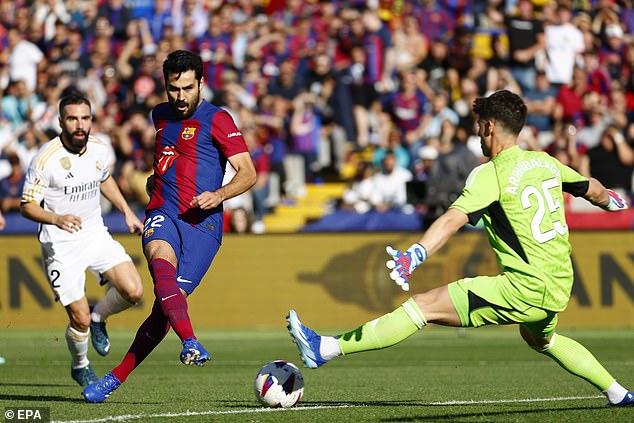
{"x":526,"y":41}
{"x":11,"y":187}
{"x":410,"y":109}
{"x":425,"y":161}
{"x":118,"y":15}
{"x":583,"y":21}
{"x":597,"y":120}
{"x":436,"y":65}
{"x":215,"y":50}
{"x":331,"y":98}
{"x":501,"y":79}
{"x":273,"y":119}
{"x":569,"y":105}
{"x":435,"y":21}
{"x":604,"y":14}
{"x":410,"y":44}
{"x":377,"y":42}
{"x":362,"y":92}
{"x":358,"y":196}
{"x":564,"y":46}
{"x":448,"y":172}
{"x":139,"y":70}
{"x":617,"y":104}
{"x":25,"y":58}
{"x":240,"y":221}
{"x":230,"y":88}
{"x":612,"y":161}
{"x":28,"y":142}
{"x":134,"y":145}
{"x":255,"y":138}
{"x":287,"y":84}
{"x":439,"y":113}
{"x":159,"y":19}
{"x":20,"y":106}
{"x":567,"y":149}
{"x":612,"y":53}
{"x":390,"y":185}
{"x":489,"y":15}
{"x":392,"y":142}
{"x":305,"y":132}
{"x":540,"y":103}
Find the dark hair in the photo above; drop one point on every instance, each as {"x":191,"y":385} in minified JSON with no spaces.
{"x":504,"y":107}
{"x":180,"y":61}
{"x":73,"y":97}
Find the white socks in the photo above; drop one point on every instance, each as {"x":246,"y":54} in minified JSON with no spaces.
{"x":78,"y":346}
{"x":111,"y":303}
{"x":615,"y":393}
{"x":329,"y":347}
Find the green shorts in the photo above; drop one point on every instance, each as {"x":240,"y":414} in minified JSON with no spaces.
{"x":487,"y":300}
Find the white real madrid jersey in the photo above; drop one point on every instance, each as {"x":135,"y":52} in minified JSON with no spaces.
{"x":67,"y":183}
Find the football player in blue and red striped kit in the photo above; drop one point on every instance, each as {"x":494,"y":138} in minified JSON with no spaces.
{"x":183,"y":225}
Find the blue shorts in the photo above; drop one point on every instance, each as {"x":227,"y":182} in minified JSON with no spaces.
{"x":194,"y":249}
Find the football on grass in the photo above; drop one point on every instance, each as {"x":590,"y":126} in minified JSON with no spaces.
{"x":279,"y":384}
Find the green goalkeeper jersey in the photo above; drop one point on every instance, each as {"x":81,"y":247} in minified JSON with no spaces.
{"x":518,"y":194}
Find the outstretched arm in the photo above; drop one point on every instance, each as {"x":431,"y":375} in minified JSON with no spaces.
{"x":442,"y":229}
{"x":404,"y":263}
{"x":605,"y":198}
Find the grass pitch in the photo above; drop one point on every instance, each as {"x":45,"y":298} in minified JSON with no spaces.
{"x":438,"y":375}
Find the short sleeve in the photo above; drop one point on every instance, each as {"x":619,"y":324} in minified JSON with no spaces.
{"x":35,"y":184}
{"x":571,"y":181}
{"x":480,"y":191}
{"x":226,"y":133}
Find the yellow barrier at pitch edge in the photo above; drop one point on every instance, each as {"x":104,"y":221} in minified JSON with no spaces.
{"x":333,"y":280}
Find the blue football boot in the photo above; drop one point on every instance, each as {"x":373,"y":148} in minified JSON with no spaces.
{"x":628,"y":401}
{"x":100,"y":390}
{"x":194,"y":353}
{"x":307,"y":341}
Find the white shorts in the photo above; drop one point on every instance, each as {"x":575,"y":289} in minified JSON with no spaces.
{"x":65,"y":263}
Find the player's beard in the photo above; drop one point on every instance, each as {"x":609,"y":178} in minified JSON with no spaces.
{"x":76,"y":140}
{"x":189,"y":110}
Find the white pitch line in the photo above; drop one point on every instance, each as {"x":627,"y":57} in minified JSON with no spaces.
{"x":126,"y":417}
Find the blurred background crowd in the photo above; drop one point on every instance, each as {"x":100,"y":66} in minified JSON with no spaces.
{"x":376,"y":93}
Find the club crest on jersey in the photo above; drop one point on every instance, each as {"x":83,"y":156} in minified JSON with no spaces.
{"x":166,"y":159}
{"x":97,"y":165}
{"x":188,"y":133}
{"x":149,"y":233}
{"x":65,"y":162}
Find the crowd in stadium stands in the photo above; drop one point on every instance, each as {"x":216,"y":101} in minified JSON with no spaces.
{"x":373,"y":92}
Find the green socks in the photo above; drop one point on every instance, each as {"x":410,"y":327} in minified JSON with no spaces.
{"x":385,"y":331}
{"x":575,"y":358}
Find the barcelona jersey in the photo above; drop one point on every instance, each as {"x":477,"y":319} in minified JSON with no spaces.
{"x":190,"y":156}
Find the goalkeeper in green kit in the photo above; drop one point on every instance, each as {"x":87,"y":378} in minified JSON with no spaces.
{"x":519,"y":196}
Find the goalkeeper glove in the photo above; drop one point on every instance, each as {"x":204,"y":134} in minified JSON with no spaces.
{"x":616,"y":203}
{"x":404,"y":263}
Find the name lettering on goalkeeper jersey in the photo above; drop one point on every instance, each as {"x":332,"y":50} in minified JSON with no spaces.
{"x":524,"y":166}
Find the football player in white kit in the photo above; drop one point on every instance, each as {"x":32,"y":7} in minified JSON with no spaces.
{"x":61,"y":193}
